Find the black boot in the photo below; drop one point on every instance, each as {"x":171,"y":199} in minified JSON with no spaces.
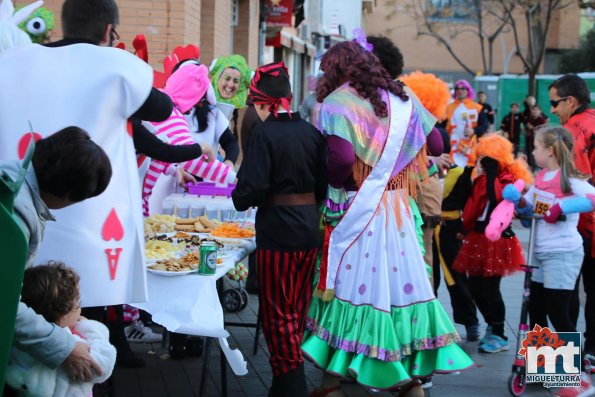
{"x":177,"y":345}
{"x":290,"y":384}
{"x":194,"y":346}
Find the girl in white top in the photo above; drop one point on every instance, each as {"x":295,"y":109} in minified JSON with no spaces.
{"x":558,"y":249}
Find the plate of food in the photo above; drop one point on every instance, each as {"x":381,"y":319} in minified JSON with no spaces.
{"x":201,"y":224}
{"x":162,"y":249}
{"x":172,"y":267}
{"x":229,"y":242}
{"x":232,"y":230}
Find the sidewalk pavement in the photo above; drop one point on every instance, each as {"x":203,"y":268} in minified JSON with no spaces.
{"x":164,"y":377}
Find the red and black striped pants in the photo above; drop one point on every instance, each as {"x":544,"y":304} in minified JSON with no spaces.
{"x":285,"y":288}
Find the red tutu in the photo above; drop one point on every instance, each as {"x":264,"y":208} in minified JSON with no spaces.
{"x":481,"y":257}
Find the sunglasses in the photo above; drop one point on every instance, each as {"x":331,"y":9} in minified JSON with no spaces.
{"x":556,"y":102}
{"x":460,"y":88}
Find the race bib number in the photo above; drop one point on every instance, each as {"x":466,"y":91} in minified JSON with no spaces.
{"x":543,"y":201}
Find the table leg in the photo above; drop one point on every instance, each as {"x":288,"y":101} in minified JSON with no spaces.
{"x":257,"y":331}
{"x":223,"y":374}
{"x":205,"y":367}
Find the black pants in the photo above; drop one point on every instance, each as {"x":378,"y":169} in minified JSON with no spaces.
{"x":588,"y":276}
{"x":463,"y":306}
{"x":553,"y":304}
{"x":487,"y":296}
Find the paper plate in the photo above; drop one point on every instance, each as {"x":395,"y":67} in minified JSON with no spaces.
{"x":170,"y":274}
{"x":231,"y":240}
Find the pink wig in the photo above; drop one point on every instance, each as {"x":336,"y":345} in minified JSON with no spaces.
{"x":468,"y":86}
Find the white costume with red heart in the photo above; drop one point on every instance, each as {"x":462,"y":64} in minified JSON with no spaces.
{"x":97,"y":89}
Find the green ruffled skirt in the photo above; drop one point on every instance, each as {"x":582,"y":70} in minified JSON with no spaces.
{"x":381,"y":349}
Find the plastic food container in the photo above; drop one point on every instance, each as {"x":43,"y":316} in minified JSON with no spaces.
{"x":210,"y":189}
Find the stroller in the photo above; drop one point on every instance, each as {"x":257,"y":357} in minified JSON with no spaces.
{"x":236,"y":299}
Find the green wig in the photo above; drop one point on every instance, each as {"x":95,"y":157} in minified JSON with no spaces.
{"x":235,"y":62}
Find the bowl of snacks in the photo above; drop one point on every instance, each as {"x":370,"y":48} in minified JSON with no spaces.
{"x":232,"y":230}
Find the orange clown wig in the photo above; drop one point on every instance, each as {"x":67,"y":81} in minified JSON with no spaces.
{"x":432,"y":92}
{"x":500,"y":149}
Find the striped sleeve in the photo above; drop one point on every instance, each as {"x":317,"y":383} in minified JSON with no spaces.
{"x":175,"y":129}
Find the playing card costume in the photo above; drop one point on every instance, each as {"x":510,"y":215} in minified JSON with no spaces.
{"x":283,"y":173}
{"x":97,"y":89}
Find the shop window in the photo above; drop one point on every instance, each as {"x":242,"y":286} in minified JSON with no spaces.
{"x":451,"y":10}
{"x":235,"y":11}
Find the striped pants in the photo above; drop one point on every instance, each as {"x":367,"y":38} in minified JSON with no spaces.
{"x":285,"y":288}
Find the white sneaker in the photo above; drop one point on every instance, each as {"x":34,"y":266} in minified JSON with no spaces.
{"x":137,"y":332}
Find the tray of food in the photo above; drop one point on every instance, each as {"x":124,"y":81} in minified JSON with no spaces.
{"x":160,"y":249}
{"x":232,"y":230}
{"x":159,"y":224}
{"x":172,"y":267}
{"x":202,"y":224}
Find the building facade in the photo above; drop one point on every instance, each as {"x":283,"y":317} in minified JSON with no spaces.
{"x":395,"y":20}
{"x":218,"y":27}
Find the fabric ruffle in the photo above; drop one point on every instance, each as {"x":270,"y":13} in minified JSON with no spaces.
{"x":379,"y":349}
{"x":481,"y":257}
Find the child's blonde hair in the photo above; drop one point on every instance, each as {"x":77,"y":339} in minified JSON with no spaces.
{"x":561,"y":142}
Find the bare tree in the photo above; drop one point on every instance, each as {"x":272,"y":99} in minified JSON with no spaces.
{"x":534,"y":16}
{"x":446,"y":21}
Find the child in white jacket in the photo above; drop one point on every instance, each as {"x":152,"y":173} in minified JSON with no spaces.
{"x":52,"y":290}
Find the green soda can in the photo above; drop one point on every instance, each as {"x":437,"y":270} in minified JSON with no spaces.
{"x":208,"y":258}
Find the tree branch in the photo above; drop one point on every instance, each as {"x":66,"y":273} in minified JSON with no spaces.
{"x":449,"y":48}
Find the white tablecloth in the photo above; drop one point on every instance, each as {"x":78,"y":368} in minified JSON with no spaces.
{"x":189,"y":304}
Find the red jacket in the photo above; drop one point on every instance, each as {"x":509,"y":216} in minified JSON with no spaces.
{"x":476,"y":204}
{"x":582,"y":128}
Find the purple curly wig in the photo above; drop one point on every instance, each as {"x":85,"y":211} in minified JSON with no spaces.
{"x":470,"y":90}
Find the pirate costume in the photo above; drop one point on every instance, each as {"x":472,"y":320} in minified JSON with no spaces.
{"x":283,"y":174}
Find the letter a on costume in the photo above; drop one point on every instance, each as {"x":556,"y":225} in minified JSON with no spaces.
{"x":113,"y":257}
{"x":112,"y":230}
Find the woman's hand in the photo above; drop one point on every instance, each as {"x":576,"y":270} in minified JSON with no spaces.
{"x":230,"y":163}
{"x":185,"y":177}
{"x":79,"y":365}
{"x":208,"y":152}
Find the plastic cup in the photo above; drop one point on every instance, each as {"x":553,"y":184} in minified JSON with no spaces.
{"x":213,"y":213}
{"x":197,"y":211}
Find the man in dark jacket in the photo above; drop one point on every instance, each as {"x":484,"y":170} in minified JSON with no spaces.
{"x":511,"y":125}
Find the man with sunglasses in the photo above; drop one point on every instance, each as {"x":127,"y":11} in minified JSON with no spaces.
{"x":570,"y":100}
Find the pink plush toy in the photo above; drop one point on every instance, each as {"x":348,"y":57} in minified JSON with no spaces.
{"x":502,"y":216}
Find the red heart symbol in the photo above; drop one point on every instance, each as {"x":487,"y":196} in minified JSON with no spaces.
{"x":112,"y":227}
{"x":24,"y":143}
{"x":189,"y":52}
